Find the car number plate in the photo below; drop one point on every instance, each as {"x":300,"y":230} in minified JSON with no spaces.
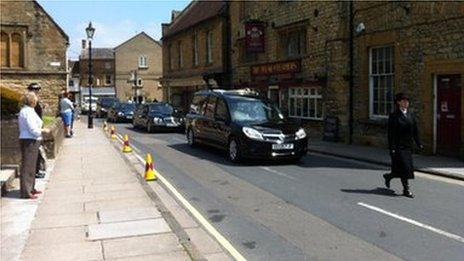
{"x":287,"y":146}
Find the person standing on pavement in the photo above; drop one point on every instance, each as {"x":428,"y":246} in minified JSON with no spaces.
{"x":40,"y":168}
{"x":30,"y":135}
{"x":66,"y":111}
{"x":402,"y":132}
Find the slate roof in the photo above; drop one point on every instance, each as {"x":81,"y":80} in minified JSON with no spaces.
{"x":97,"y":53}
{"x":196,"y":12}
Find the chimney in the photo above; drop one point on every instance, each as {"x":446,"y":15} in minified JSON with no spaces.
{"x":84,"y":44}
{"x":174,"y":15}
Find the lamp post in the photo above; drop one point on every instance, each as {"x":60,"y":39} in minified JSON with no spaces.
{"x":90,"y":31}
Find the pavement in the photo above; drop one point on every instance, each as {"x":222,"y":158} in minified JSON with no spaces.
{"x":96,"y":206}
{"x":441,"y":166}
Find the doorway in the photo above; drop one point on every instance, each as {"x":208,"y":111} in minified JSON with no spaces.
{"x":273,"y":94}
{"x":448,"y":115}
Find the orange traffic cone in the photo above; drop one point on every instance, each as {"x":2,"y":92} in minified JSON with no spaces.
{"x":126,"y":148}
{"x":112,"y":133}
{"x":149,"y":172}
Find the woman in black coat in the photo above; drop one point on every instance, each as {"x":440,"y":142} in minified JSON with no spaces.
{"x":402,"y":132}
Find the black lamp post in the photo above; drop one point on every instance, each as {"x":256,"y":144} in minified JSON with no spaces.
{"x":90,"y":31}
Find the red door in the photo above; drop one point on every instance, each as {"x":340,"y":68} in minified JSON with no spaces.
{"x":448,"y":115}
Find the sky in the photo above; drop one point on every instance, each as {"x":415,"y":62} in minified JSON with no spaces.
{"x":115,"y":21}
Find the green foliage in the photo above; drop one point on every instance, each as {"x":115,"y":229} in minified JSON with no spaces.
{"x":48,"y":120}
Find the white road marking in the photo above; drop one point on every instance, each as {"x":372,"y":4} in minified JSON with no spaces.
{"x":220,"y":238}
{"x":416,"y":223}
{"x":277,"y":172}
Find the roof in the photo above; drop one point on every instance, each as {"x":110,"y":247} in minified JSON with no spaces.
{"x":135,"y":36}
{"x":53,"y":21}
{"x":196,"y":12}
{"x":74,"y":65}
{"x":97,"y":53}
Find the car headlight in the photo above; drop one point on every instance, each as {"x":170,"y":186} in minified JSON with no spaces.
{"x":157,"y":120}
{"x":300,"y":134}
{"x":252,"y":133}
{"x":120,"y":114}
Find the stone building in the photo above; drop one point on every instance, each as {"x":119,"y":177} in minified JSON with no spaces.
{"x":103,"y":72}
{"x":292,"y":52}
{"x":33,"y":49}
{"x":300,"y":57}
{"x":195,"y":51}
{"x":142,"y":56}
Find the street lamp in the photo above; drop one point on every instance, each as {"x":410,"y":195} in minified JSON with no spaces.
{"x":90,"y":31}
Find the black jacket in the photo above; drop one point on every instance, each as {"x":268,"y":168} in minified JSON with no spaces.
{"x":402,"y":131}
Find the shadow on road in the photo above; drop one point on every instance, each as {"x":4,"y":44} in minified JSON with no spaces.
{"x":376,"y":191}
{"x":220,"y":157}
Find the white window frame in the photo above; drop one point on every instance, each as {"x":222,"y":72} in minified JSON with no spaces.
{"x":317,"y":97}
{"x":143,"y":61}
{"x":195,"y":49}
{"x":209,"y":47}
{"x":372,"y":115}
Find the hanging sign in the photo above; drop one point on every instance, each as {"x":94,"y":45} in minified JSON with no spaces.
{"x":254,"y":38}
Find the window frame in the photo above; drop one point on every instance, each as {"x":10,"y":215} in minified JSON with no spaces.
{"x":227,"y":113}
{"x":317,"y":97}
{"x":302,"y":42}
{"x":371,"y":76}
{"x":213,"y":100}
{"x":143,"y":62}
{"x":209,"y":47}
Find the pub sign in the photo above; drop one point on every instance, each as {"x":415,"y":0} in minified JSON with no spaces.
{"x":254,"y":38}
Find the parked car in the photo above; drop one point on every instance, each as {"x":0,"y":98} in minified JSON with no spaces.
{"x":157,"y":116}
{"x":104,"y":104}
{"x":121,"y":112}
{"x":244,"y":124}
{"x":85,"y":105}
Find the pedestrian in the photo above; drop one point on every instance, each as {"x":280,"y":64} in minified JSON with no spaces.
{"x":402,"y":132}
{"x":66,"y":111}
{"x":41,"y":160}
{"x":30,"y":135}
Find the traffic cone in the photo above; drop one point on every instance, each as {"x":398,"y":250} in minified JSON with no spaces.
{"x":126,"y":148}
{"x":149,"y":172}
{"x":113,"y":135}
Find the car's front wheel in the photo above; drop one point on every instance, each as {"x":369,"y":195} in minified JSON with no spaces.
{"x":234,"y":151}
{"x":191,"y":138}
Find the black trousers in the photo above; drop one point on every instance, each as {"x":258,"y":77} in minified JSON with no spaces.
{"x":29,"y":155}
{"x":404,"y":181}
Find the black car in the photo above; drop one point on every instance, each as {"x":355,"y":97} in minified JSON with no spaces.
{"x":121,"y":112}
{"x":246,"y":125}
{"x":104,"y":104}
{"x":157,"y":116}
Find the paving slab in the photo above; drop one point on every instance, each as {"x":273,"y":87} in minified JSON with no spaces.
{"x":57,"y":236}
{"x":67,"y":220}
{"x":111,"y":187}
{"x":204,"y":243}
{"x":127,"y":229}
{"x":174,"y":256}
{"x":120,"y":194}
{"x":71,"y":251}
{"x":110,"y":216}
{"x":138,"y":246}
{"x":117,"y":204}
{"x":57,"y":209}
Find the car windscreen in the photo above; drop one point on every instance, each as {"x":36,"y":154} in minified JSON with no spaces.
{"x":253,"y":110}
{"x":108,"y":102}
{"x":163,"y":108}
{"x":126,"y":106}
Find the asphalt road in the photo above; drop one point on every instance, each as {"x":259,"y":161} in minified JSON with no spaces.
{"x":324,"y":208}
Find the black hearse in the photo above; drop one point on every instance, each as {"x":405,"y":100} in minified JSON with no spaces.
{"x":244,"y":124}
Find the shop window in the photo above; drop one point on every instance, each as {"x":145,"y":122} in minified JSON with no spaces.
{"x":381,"y":81}
{"x":305,"y":103}
{"x":293,"y":43}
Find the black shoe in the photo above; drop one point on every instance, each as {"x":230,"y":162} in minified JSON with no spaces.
{"x":408,"y":194}
{"x":387,"y":180}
